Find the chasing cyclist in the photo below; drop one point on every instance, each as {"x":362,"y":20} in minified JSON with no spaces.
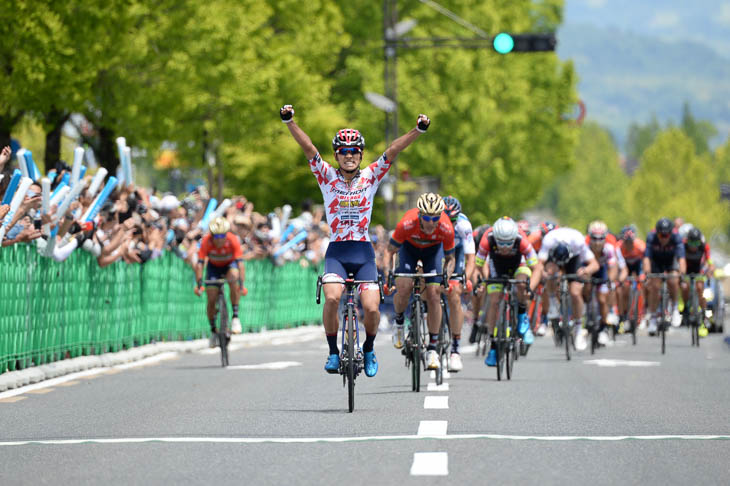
{"x":465,"y":253}
{"x":424,"y":233}
{"x":565,"y":250}
{"x":664,"y":254}
{"x":348,"y":200}
{"x":510,"y":256}
{"x":535,"y":239}
{"x":632,"y":249}
{"x":222,"y":256}
{"x":697,"y":254}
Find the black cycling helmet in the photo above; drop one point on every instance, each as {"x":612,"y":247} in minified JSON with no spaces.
{"x":664,"y":226}
{"x":348,"y":137}
{"x":546,"y":227}
{"x":560,"y":254}
{"x":694,"y":237}
{"x":452,"y":207}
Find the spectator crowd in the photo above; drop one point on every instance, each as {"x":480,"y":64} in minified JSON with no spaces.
{"x":136,"y":225}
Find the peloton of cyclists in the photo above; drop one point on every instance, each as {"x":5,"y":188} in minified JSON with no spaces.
{"x":424,"y":233}
{"x":348,"y":194}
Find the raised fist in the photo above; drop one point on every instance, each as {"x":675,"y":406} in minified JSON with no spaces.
{"x":423,"y":123}
{"x":286,"y":112}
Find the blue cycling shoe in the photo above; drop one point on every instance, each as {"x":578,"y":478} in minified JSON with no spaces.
{"x":491,"y":358}
{"x":333,"y":364}
{"x":524,"y":323}
{"x":528,"y":338}
{"x":371,"y":364}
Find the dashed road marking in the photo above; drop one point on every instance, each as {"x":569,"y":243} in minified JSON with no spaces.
{"x":276,"y":365}
{"x":435,"y":402}
{"x":432,"y":427}
{"x":613,"y":363}
{"x":434,"y":387}
{"x":430,"y":464}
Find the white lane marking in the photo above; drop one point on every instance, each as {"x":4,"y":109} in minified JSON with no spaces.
{"x":276,"y":365}
{"x":434,"y":387}
{"x":613,"y":363}
{"x":432,"y":374}
{"x":436,"y":402}
{"x":430,"y":464}
{"x":307,"y":440}
{"x":87,"y":373}
{"x":432,"y":427}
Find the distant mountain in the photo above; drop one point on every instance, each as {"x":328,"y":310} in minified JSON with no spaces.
{"x":703,"y":21}
{"x":626,"y":77}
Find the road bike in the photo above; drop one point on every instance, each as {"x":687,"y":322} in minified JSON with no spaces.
{"x":352,"y":360}
{"x":223,"y":333}
{"x":593,"y":314}
{"x":665,"y":307}
{"x":417,"y":338}
{"x":695,"y":315}
{"x":506,"y":338}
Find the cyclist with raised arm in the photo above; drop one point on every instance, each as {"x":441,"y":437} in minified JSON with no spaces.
{"x":348,"y":200}
{"x":510,"y":256}
{"x":697,"y":254}
{"x":664,"y":254}
{"x":424,"y":233}
{"x":464,"y":256}
{"x":222,"y":256}
{"x":564,"y":250}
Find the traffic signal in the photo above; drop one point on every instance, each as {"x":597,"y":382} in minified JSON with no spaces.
{"x":505,"y":43}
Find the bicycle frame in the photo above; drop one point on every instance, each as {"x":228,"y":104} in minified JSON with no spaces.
{"x":351,"y":355}
{"x":505,"y":335}
{"x":223,"y":333}
{"x":415,"y":344}
{"x":664,"y":306}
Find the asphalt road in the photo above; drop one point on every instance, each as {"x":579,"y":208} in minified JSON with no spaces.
{"x":187,"y":421}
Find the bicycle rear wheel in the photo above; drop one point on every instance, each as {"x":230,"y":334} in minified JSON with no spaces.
{"x":351,"y":323}
{"x":223,"y":337}
{"x":443,"y":343}
{"x":663,"y":323}
{"x":416,"y":349}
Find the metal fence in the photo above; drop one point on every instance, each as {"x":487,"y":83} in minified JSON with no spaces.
{"x":51,"y":311}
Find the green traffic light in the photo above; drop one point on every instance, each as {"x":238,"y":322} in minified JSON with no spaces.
{"x":503,"y":43}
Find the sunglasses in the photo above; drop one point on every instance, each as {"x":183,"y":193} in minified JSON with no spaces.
{"x":596,"y":238}
{"x":694,"y":243}
{"x":430,"y":219}
{"x":663,"y":235}
{"x":349,"y":150}
{"x":219,"y":237}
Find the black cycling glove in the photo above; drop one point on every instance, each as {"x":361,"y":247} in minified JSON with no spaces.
{"x":286,"y":115}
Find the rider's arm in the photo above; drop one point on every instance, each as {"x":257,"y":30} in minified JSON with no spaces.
{"x":646,"y":263}
{"x":589,"y":269}
{"x":469,"y":267}
{"x":389,"y":254}
{"x":536,"y":275}
{"x":682,"y":266}
{"x":302,"y":138}
{"x":405,"y":140}
{"x":199,"y":272}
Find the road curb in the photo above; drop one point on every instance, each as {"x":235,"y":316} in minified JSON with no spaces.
{"x":16,"y":379}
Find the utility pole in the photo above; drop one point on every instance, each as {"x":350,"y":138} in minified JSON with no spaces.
{"x":390,"y":19}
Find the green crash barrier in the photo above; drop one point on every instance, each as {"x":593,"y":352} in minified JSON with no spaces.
{"x":51,"y":311}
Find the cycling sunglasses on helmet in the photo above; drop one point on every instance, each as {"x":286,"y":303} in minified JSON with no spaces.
{"x":219,"y":236}
{"x":431,"y":219}
{"x":349,"y":150}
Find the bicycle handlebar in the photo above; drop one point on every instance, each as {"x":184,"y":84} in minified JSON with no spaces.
{"x":217,"y":281}
{"x":349,"y":282}
{"x":662,"y":276}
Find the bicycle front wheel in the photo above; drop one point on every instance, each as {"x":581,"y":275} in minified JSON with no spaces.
{"x":351,"y":362}
{"x":223,"y":328}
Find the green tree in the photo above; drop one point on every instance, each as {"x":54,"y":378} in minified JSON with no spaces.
{"x":672,"y":180}
{"x":700,"y":131}
{"x":640,"y":137}
{"x":596,"y":187}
